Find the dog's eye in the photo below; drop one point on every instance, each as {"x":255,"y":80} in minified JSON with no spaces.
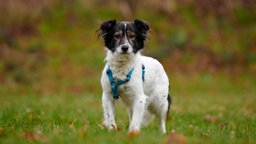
{"x":117,"y":36}
{"x":131,"y":36}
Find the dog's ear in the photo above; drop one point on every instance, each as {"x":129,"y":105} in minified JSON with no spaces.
{"x":141,"y":26}
{"x":107,"y":25}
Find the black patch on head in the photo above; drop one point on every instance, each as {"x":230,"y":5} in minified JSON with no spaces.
{"x":141,"y":29}
{"x":108,"y":29}
{"x":141,"y":26}
{"x":107,"y":25}
{"x":107,"y":32}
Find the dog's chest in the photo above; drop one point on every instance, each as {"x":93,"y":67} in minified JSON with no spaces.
{"x":125,"y":90}
{"x":132,"y":87}
{"x":126,"y":93}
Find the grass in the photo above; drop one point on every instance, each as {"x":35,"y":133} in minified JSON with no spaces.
{"x":47,"y":97}
{"x":206,"y":109}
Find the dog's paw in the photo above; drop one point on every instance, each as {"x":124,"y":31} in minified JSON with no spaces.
{"x":134,"y":133}
{"x":111,"y":127}
{"x":114,"y":127}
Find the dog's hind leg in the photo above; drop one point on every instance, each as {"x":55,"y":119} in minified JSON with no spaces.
{"x":162,"y":120}
{"x":161,"y":113}
{"x":147,"y":118}
{"x":129,"y":112}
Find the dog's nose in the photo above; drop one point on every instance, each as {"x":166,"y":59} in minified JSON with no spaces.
{"x":125,"y":48}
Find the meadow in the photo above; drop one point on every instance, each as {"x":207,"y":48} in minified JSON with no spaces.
{"x":51,"y":60}
{"x":205,"y":109}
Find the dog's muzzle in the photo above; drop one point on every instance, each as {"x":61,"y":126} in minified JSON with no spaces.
{"x":124,"y":48}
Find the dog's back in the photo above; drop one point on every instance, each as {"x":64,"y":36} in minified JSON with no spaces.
{"x":156,"y":86}
{"x":156,"y":79}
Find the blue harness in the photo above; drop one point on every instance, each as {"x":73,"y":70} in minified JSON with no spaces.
{"x":115,"y":84}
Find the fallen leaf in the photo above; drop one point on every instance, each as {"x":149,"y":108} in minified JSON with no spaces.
{"x":83,"y":131}
{"x":71,"y":126}
{"x":175,"y":138}
{"x":249,"y":142}
{"x":34,"y":136}
{"x":190,"y":127}
{"x":31,"y":116}
{"x":1,"y":131}
{"x":169,"y":118}
{"x":232,"y":135}
{"x":30,"y":136}
{"x":223,"y":125}
{"x":211,"y":118}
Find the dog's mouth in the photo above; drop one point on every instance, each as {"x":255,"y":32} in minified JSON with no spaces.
{"x":125,"y":53}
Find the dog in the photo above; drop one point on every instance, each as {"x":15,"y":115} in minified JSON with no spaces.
{"x":140,"y":82}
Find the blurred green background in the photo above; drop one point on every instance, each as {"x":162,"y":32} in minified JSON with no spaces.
{"x":51,"y":61}
{"x":51,"y":46}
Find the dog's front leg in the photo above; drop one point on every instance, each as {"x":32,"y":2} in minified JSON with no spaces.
{"x":108,"y":105}
{"x":137,"y":115}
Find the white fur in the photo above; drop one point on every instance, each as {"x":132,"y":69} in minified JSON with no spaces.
{"x":143,"y":100}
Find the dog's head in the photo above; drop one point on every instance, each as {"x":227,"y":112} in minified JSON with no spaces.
{"x":124,"y":37}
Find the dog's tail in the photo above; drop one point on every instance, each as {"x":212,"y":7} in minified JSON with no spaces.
{"x":169,"y":99}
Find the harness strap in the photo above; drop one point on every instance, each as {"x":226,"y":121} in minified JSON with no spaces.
{"x":115,"y":84}
{"x":143,"y":72}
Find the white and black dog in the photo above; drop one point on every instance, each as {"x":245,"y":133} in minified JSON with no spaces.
{"x":139,"y":81}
